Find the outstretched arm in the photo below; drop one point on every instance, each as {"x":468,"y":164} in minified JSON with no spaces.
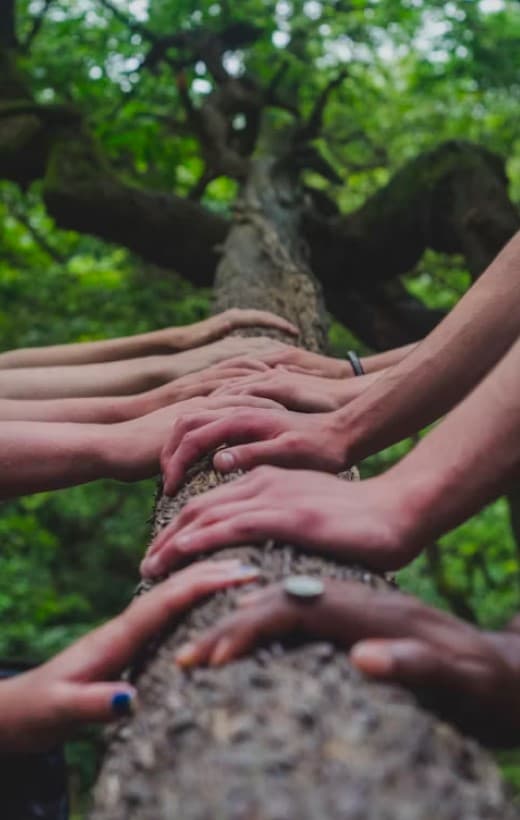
{"x":38,"y":455}
{"x":443,"y":368}
{"x":114,"y":409}
{"x":130,"y":376}
{"x":158,"y":342}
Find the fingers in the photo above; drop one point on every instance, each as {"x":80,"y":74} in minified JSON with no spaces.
{"x":246,"y":363}
{"x":240,"y":632}
{"x":106,"y":651}
{"x":417,"y":663}
{"x":239,"y":527}
{"x":408,"y":661}
{"x":259,"y":318}
{"x":78,"y":703}
{"x":199,"y":434}
{"x":274,"y":451}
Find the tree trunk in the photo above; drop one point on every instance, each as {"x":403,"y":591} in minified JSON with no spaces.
{"x":290,"y":732}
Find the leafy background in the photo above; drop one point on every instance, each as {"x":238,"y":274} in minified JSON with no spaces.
{"x":419,"y":72}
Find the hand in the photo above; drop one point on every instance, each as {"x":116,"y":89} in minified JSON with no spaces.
{"x":296,"y":391}
{"x":475,"y":676}
{"x":365,"y":521}
{"x":200,"y":333}
{"x":43,"y":706}
{"x":201,"y":383}
{"x":259,"y":348}
{"x":130,"y":450}
{"x":278,"y":437}
{"x":299,"y":360}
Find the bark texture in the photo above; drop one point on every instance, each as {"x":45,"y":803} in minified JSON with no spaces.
{"x":293,"y":731}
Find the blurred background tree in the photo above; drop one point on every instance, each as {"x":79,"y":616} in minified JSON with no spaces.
{"x":117,"y":181}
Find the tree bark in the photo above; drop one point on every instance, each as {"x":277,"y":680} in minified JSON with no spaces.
{"x":291,"y":732}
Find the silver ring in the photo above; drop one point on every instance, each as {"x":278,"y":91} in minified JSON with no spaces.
{"x":304,"y":588}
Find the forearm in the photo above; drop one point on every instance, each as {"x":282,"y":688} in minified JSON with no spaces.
{"x":108,"y":350}
{"x":443,"y":368}
{"x":389,"y":358}
{"x":95,"y":410}
{"x":107,"y":379}
{"x":468,"y":460}
{"x":39,"y":456}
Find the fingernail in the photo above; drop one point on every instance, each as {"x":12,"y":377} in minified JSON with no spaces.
{"x":221,"y":652}
{"x":183,"y":541}
{"x":185,"y":655}
{"x":123,"y":704}
{"x":246,"y":570}
{"x":150,"y":566}
{"x":372,"y":659}
{"x":224,"y":461}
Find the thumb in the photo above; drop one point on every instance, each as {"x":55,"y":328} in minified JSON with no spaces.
{"x":97,"y":702}
{"x":408,"y":661}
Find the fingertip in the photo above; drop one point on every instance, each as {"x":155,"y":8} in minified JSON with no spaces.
{"x":124,"y":703}
{"x":374,"y":658}
{"x":222,"y":652}
{"x":186,"y":655}
{"x":224,"y":461}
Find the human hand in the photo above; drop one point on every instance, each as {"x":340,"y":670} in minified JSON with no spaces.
{"x":200,"y":383}
{"x":130,"y":450}
{"x":263,"y":436}
{"x":240,"y":348}
{"x":43,"y":706}
{"x":367,"y":521}
{"x":296,"y":391}
{"x":201,"y":333}
{"x":473,"y":676}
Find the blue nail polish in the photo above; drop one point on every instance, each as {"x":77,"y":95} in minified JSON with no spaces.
{"x":122,"y":704}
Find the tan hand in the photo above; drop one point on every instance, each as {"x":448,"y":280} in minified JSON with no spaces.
{"x":79,"y":685}
{"x":356,"y":521}
{"x":278,"y":437}
{"x":216,"y":327}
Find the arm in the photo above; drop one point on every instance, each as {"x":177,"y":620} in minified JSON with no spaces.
{"x":443,"y":368}
{"x":474,"y":676}
{"x":37,"y":455}
{"x":300,"y":391}
{"x":158,"y":342}
{"x":114,"y":409}
{"x":429,"y":382}
{"x":130,"y":376}
{"x":463,"y":464}
{"x":78,"y":686}
{"x":389,"y":358}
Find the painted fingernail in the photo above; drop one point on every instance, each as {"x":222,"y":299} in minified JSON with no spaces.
{"x":224,"y":461}
{"x":185,"y":655}
{"x":124,"y":704}
{"x":372,"y":658}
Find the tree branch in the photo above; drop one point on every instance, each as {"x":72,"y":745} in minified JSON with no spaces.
{"x":36,"y":27}
{"x":453,"y":200}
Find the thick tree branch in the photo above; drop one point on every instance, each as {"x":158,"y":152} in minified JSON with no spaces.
{"x":453,"y":200}
{"x":83,"y":193}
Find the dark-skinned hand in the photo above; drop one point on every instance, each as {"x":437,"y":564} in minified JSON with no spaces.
{"x":473,"y":676}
